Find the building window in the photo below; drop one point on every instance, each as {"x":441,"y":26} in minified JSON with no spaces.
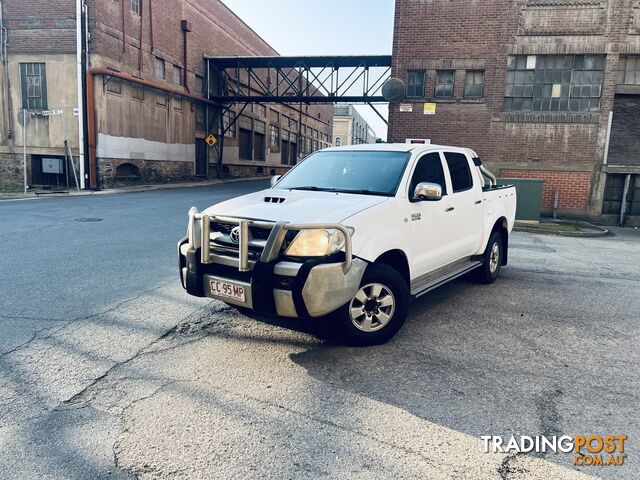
{"x":161,"y":99}
{"x":199,"y":85}
{"x":415,"y":83}
{"x":229,"y":124}
{"x":274,"y":115}
{"x":274,"y":138}
{"x":245,"y":140}
{"x":177,"y":103}
{"x":177,"y":75}
{"x":160,"y":70}
{"x":33,"y":79}
{"x":137,"y":92}
{"x":200,"y":119}
{"x":444,"y":83}
{"x":474,"y":84}
{"x":113,"y":84}
{"x":554,"y":83}
{"x":259,"y":140}
{"x":136,"y":6}
{"x":261,"y":110}
{"x":338,"y":141}
{"x":629,"y":70}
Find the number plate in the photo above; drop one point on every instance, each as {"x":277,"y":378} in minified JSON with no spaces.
{"x":227,"y":289}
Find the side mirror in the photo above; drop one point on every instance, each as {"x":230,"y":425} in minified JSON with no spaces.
{"x":275,"y":179}
{"x":428,"y":191}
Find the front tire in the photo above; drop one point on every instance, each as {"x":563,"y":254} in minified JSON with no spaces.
{"x":378,"y":309}
{"x":491,"y":260}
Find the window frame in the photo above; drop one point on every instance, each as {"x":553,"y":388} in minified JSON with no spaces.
{"x":24,"y":86}
{"x":178,"y":77}
{"x":135,"y":6}
{"x":160,"y":62}
{"x":411,"y":190}
{"x":446,"y":84}
{"x":416,"y":84}
{"x":481,"y":84}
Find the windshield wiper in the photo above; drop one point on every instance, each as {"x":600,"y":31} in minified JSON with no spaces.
{"x":364,"y":191}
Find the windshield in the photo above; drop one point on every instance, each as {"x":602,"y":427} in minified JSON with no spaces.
{"x":348,"y":171}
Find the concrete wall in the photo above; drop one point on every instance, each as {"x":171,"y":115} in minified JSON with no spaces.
{"x":565,"y":149}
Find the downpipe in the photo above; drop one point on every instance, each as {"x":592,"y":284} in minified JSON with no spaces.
{"x":4,"y":42}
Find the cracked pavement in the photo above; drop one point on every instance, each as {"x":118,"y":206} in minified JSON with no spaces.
{"x":109,"y":370}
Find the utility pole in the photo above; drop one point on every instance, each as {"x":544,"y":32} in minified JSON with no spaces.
{"x":24,"y":147}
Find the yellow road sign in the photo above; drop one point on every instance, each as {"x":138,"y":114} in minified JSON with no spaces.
{"x":211,"y":140}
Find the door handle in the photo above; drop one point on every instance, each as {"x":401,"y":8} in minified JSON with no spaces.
{"x":449,"y":209}
{"x":477,"y":202}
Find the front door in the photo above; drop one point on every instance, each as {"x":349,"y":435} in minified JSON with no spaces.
{"x":201,"y":158}
{"x":432,"y":226}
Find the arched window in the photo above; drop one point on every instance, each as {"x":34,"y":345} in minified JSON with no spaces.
{"x":338,"y":141}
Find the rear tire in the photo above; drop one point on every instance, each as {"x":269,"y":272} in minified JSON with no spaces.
{"x":491,"y":260}
{"x":378,"y":309}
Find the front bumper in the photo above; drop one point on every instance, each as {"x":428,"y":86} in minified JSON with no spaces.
{"x":272,"y":286}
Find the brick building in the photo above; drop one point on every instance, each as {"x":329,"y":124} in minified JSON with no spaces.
{"x":545,"y":89}
{"x":143,"y":114}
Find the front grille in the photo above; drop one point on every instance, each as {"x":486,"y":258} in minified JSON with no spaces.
{"x":256,"y":233}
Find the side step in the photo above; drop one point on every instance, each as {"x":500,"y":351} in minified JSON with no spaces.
{"x":442,"y":275}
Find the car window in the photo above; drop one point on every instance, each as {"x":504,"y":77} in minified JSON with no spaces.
{"x":459,"y":171}
{"x":428,"y":169}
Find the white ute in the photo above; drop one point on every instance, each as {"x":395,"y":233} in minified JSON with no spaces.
{"x":354,"y":232}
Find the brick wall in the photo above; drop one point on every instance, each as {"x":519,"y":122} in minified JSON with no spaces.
{"x":476,"y":35}
{"x":573,"y":187}
{"x":42,"y":26}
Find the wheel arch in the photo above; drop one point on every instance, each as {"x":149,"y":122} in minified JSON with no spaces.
{"x":501,"y":226}
{"x":397,"y":260}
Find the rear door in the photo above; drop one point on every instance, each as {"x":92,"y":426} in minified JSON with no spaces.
{"x":432,"y":227}
{"x":464,"y":205}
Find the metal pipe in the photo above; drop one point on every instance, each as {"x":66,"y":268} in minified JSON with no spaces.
{"x":80,"y":92}
{"x":555,"y":202}
{"x":492,"y":178}
{"x":623,"y":203}
{"x":4,"y":41}
{"x":244,"y":246}
{"x":205,"y":242}
{"x":606,"y":143}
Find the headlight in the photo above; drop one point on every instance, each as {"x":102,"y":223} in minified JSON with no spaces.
{"x":316,"y":243}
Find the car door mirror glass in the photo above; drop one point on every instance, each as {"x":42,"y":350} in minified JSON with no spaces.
{"x":428,"y":191}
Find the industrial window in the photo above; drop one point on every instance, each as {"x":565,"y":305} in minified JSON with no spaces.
{"x":308,"y":145}
{"x":137,"y":92}
{"x":261,"y":110}
{"x":177,"y":75}
{"x":459,"y":171}
{"x":199,"y":85}
{"x":474,"y":84}
{"x":613,"y":191}
{"x":177,"y":103}
{"x":33,"y":79}
{"x":338,"y":141}
{"x":274,"y":115}
{"x":160,"y":69}
{"x":444,"y":83}
{"x":114,"y":85}
{"x":315,"y":145}
{"x":274,"y":138}
{"x":415,"y":83}
{"x":428,"y":169}
{"x":200,"y":119}
{"x":228,"y":119}
{"x":259,"y":140}
{"x":315,"y":133}
{"x":293,"y":124}
{"x":629,"y":70}
{"x":245,"y":140}
{"x":161,"y":99}
{"x":136,"y":6}
{"x":554,"y":83}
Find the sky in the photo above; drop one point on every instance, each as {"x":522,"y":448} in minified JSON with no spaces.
{"x":324,"y":27}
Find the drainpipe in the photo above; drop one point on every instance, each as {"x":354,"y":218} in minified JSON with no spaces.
{"x":186,"y":28}
{"x":80,"y":90}
{"x":623,"y":203}
{"x":4,"y":41}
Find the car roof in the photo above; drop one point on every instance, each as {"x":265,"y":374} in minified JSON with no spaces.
{"x":394,"y":147}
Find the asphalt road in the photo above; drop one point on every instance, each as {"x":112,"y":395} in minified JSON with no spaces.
{"x":109,"y":370}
